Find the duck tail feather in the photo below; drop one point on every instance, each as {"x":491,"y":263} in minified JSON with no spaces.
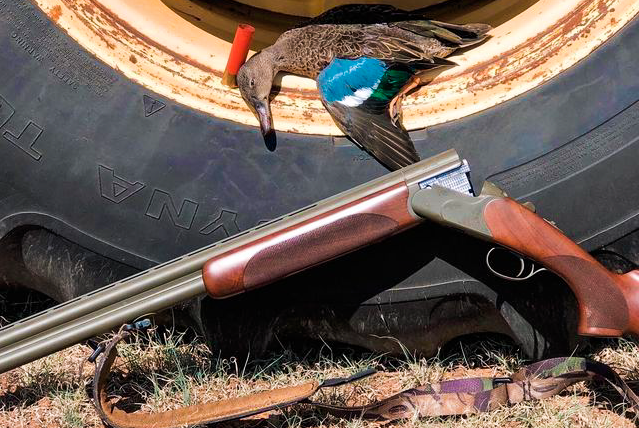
{"x":468,"y":34}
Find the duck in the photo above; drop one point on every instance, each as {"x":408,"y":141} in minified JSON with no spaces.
{"x":365,"y":59}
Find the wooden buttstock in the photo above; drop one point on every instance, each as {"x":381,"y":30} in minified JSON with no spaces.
{"x":309,"y":243}
{"x":608,"y":302}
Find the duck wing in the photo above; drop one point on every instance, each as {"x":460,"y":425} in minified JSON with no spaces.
{"x":407,"y":41}
{"x":362,"y":14}
{"x":459,"y":35}
{"x":393,"y":48}
{"x":357,"y":94}
{"x":454,"y":34}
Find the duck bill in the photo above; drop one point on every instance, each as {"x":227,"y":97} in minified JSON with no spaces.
{"x":263,"y":112}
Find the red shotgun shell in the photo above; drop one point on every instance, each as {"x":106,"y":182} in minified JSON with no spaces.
{"x":237,"y":57}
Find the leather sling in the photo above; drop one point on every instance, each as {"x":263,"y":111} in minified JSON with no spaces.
{"x":454,"y":397}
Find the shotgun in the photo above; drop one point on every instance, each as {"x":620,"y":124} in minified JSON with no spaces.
{"x":437,"y":189}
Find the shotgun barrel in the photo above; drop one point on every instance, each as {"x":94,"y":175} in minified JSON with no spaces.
{"x":437,"y":189}
{"x":250,"y":259}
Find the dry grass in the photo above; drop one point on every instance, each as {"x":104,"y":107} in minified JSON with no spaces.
{"x":162,"y":373}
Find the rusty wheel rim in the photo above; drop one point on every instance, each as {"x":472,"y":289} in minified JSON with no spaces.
{"x":152,"y":44}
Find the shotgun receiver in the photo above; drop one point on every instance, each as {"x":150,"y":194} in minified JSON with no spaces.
{"x":437,"y":189}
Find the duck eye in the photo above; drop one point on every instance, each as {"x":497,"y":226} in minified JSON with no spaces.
{"x":252,"y":83}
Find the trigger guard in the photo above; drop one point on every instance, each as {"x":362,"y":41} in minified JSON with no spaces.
{"x":522,"y":264}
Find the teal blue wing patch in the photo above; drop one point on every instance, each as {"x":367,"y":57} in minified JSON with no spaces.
{"x":343,"y":78}
{"x":357,"y":94}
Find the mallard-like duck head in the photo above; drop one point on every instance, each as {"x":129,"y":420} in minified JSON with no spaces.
{"x":255,"y":80}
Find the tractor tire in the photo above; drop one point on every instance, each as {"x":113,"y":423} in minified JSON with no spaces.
{"x":100,"y":177}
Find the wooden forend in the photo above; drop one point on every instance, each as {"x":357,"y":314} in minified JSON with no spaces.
{"x":308,"y":243}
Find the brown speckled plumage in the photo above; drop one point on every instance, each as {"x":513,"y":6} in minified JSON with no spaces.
{"x":308,"y":50}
